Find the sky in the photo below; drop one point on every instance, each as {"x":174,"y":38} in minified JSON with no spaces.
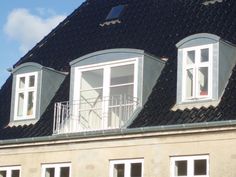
{"x":23,"y":23}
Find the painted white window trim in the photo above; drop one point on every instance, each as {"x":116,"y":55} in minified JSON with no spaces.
{"x":106,"y":81}
{"x":56,"y":167}
{"x":190,"y":166}
{"x":9,"y":170}
{"x":127,"y":163}
{"x":197,"y":65}
{"x":26,"y":90}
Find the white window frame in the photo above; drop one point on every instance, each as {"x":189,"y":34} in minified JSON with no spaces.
{"x":190,"y":165}
{"x":196,"y":66}
{"x":57,"y":167}
{"x":127,"y":163}
{"x":26,"y":90}
{"x":9,"y":170}
{"x":106,"y":66}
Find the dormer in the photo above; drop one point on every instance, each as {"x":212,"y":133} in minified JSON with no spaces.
{"x":107,"y":90}
{"x":32,"y":91}
{"x":205,"y":64}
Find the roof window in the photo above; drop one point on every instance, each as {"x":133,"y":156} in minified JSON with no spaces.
{"x":115,"y":12}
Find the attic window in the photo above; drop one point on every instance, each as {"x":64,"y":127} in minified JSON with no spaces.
{"x":32,"y":92}
{"x":115,"y":12}
{"x":25,"y":95}
{"x":196,"y":72}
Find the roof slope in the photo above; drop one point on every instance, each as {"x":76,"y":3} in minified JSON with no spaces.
{"x":151,"y":25}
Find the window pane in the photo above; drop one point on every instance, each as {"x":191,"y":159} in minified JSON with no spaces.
{"x":50,"y":172}
{"x":181,"y":168}
{"x":189,"y":83}
{"x":115,"y":12}
{"x":90,"y":98}
{"x":15,"y":173}
{"x":136,"y":170}
{"x":65,"y":172}
{"x":121,"y":105}
{"x":122,"y":74}
{"x":3,"y":173}
{"x":22,"y":82}
{"x":90,"y":108}
{"x":119,"y":170}
{"x":91,"y":79}
{"x":191,"y":57}
{"x":203,"y":81}
{"x":121,"y":94}
{"x":20,"y":104}
{"x":31,"y":81}
{"x":204,"y":55}
{"x":30,"y":106}
{"x":200,"y":167}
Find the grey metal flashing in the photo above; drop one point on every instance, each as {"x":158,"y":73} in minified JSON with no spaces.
{"x":118,"y":132}
{"x":120,"y":50}
{"x":56,"y":71}
{"x":102,"y":52}
{"x":154,"y":58}
{"x":26,"y":65}
{"x":196,"y":36}
{"x":133,"y":116}
{"x":40,"y":67}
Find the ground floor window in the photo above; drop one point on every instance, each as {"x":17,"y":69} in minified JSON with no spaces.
{"x":190,"y":166}
{"x":56,"y":170}
{"x":126,"y":168}
{"x":13,"y":171}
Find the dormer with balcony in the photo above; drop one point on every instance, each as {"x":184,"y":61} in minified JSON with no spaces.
{"x":107,"y":90}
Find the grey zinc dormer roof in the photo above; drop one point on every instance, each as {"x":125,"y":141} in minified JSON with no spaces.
{"x":154,"y":26}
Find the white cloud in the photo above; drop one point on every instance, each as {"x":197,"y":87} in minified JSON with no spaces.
{"x":45,"y":11}
{"x":27,"y":28}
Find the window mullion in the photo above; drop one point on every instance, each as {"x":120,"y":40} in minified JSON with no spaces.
{"x":26,"y":95}
{"x":8,"y":171}
{"x":57,"y":172}
{"x":106,"y":94}
{"x":135,"y":91}
{"x":198,"y":63}
{"x":34,"y":101}
{"x":190,"y":168}
{"x":185,"y":68}
{"x":127,"y":169}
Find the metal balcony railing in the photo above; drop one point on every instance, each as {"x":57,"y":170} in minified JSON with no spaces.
{"x":93,"y":114}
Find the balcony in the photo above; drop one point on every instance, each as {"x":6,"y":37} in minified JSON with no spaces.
{"x":93,"y":114}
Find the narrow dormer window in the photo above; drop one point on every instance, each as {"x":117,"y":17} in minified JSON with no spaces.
{"x":197,"y":69}
{"x":115,"y":12}
{"x":32,"y":92}
{"x":26,"y":88}
{"x":203,"y":72}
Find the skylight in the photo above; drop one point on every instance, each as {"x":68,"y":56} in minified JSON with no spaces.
{"x":115,"y":12}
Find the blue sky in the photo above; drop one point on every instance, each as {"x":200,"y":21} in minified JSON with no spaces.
{"x":23,"y":23}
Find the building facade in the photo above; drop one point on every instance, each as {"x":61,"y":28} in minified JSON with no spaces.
{"x":125,"y":88}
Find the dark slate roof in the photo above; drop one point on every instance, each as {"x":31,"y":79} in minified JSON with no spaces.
{"x":154,"y":26}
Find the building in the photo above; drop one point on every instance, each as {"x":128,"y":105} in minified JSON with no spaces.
{"x":126,"y":88}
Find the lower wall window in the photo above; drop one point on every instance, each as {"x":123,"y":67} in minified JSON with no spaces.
{"x":10,"y":171}
{"x":126,"y":168}
{"x":56,"y":170}
{"x":187,"y":166}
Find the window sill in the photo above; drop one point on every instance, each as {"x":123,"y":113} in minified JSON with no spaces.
{"x":195,"y":104}
{"x":22,"y":122}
